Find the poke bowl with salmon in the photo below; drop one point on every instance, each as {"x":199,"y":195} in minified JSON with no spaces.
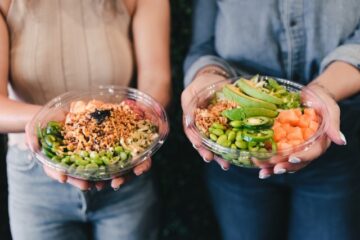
{"x":98,"y":134}
{"x":249,"y":121}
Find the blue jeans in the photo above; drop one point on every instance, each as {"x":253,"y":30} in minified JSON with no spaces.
{"x":41,"y":208}
{"x":320,"y":202}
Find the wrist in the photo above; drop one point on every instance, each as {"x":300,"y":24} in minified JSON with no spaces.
{"x":319,"y":86}
{"x":212,"y":70}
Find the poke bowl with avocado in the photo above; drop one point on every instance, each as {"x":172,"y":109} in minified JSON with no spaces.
{"x":249,"y":121}
{"x":98,"y":134}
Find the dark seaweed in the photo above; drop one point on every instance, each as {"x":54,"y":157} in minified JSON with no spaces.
{"x":100,"y":115}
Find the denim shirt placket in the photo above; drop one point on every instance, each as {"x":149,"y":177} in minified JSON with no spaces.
{"x":293,"y":41}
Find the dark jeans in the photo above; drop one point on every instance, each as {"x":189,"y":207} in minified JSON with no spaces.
{"x":320,"y":202}
{"x":4,"y":219}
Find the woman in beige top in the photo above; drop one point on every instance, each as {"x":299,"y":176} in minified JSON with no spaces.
{"x":48,"y":47}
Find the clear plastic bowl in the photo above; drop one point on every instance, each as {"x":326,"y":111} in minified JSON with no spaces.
{"x":245,"y":158}
{"x":59,"y":106}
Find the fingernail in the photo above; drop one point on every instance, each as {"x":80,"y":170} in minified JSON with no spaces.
{"x":205,"y":160}
{"x":279,"y":170}
{"x":195,"y":146}
{"x":115,"y":189}
{"x":264,"y":176}
{"x":294,"y":159}
{"x":224,"y":168}
{"x":343,"y":139}
{"x":138,"y":173}
{"x":292,"y":172}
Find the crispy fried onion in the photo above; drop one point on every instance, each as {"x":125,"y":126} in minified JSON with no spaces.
{"x":83,"y":131}
{"x":205,"y":117}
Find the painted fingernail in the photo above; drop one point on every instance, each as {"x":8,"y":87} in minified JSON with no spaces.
{"x":292,"y":172}
{"x":194,"y":146}
{"x":115,"y":189}
{"x":206,"y":160}
{"x":224,"y":168}
{"x":138,"y":173}
{"x":279,"y":170}
{"x":294,"y":159}
{"x":343,"y":139}
{"x":264,"y":175}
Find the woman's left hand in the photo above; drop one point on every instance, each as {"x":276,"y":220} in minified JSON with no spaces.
{"x":299,"y":160}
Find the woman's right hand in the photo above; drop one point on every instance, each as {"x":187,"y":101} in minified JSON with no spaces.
{"x":200,"y":81}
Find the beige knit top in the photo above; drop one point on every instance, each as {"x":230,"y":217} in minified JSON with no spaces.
{"x":62,"y":45}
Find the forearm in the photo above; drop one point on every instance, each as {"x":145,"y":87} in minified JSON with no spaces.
{"x":151,"y":30}
{"x":157,"y":84}
{"x":14,"y":115}
{"x":340,"y":79}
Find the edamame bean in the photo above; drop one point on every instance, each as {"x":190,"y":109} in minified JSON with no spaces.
{"x":213,"y":137}
{"x":226,"y":143}
{"x":92,"y":167}
{"x":241,"y":144}
{"x":233,"y":146}
{"x":118,"y":149}
{"x":84,"y":154}
{"x":218,"y":126}
{"x":221,"y":139}
{"x":66,"y":160}
{"x":238,"y":136}
{"x":78,"y":160}
{"x":217,"y":132}
{"x":115,"y":159}
{"x":109,"y":154}
{"x":231,"y":136}
{"x":94,"y":155}
{"x":123,"y":156}
{"x":105,"y":160}
{"x":236,"y":123}
{"x":98,"y":161}
{"x":80,"y":169}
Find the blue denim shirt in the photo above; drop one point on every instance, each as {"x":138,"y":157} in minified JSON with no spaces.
{"x":292,"y":39}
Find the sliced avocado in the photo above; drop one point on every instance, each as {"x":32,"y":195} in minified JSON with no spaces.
{"x":247,"y":88}
{"x":255,"y":112}
{"x":234,"y":94}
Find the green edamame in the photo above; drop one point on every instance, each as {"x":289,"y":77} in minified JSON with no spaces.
{"x":241,"y":144}
{"x":236,"y":123}
{"x":118,"y":149}
{"x":94,"y":155}
{"x":221,"y":139}
{"x":231,"y":136}
{"x":217,"y":132}
{"x":218,"y":126}
{"x":123,"y":156}
{"x":213,"y":137}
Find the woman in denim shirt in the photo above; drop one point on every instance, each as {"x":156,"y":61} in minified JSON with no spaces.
{"x":316,"y":43}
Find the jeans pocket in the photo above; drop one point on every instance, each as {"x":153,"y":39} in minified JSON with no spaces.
{"x":20,"y":160}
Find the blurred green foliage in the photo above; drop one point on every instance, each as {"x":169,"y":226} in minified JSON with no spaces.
{"x":186,"y":210}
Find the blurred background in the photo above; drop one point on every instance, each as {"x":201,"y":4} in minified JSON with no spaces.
{"x":186,"y":210}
